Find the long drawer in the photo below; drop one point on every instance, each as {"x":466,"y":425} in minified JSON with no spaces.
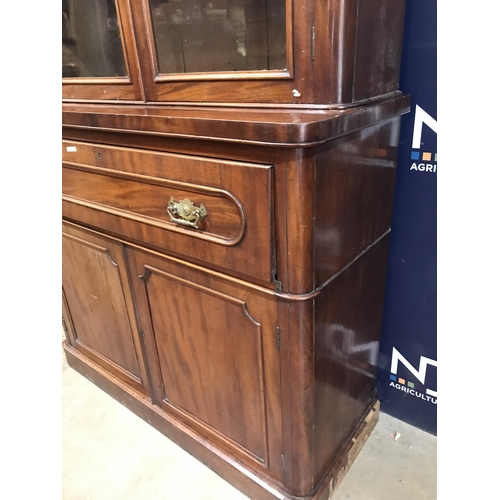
{"x":213,"y":211}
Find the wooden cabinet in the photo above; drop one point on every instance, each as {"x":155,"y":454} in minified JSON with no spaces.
{"x":228,"y":173}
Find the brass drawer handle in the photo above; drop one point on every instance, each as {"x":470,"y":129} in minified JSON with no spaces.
{"x":186,"y":213}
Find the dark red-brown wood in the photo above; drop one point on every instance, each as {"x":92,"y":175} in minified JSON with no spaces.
{"x":260,"y":126}
{"x":127,"y":192}
{"x":337,"y":52}
{"x":355,"y":177}
{"x":347,"y":319}
{"x":98,"y":309}
{"x":129,"y":87}
{"x":211,"y":346}
{"x":251,"y":340}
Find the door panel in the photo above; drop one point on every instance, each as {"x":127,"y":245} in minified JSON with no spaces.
{"x":95,"y":290}
{"x":211,"y":348}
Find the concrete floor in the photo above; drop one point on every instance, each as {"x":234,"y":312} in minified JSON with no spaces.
{"x":111,"y":454}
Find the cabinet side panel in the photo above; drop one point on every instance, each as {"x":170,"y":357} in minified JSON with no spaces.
{"x":335,"y":45}
{"x":378,"y":48}
{"x":354,"y":181}
{"x":348,"y":318}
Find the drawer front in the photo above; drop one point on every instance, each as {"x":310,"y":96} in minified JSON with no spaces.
{"x":212,"y":211}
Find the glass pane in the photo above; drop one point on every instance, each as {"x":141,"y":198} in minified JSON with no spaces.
{"x":91,"y":42}
{"x":219,"y":35}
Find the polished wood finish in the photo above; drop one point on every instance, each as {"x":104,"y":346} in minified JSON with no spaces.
{"x":265,"y":127}
{"x":127,"y":192}
{"x":378,"y":48}
{"x":227,"y":87}
{"x":118,"y":88}
{"x":330,"y":209}
{"x":346,"y":352}
{"x":347,"y":221}
{"x":203,"y":333}
{"x":251,"y":340}
{"x":338,"y":52}
{"x":213,"y":149}
{"x":98,"y":305}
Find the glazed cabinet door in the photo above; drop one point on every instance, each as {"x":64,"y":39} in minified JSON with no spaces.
{"x":98,"y":306}
{"x":99,"y":56}
{"x":210,"y":343}
{"x":225,"y":51}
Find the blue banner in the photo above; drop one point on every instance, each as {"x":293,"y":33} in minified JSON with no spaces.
{"x":407,"y":377}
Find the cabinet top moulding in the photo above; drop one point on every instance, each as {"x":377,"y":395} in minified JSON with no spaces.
{"x":277,"y":52}
{"x":256,"y":126}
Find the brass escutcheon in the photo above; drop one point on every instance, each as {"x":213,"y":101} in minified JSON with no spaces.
{"x":185,"y":213}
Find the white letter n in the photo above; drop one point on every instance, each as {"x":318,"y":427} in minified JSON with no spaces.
{"x":421,"y":117}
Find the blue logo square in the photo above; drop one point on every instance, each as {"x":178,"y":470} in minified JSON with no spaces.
{"x":415,"y":155}
{"x":393,"y":377}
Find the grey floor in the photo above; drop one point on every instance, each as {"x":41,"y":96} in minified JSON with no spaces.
{"x":111,"y":454}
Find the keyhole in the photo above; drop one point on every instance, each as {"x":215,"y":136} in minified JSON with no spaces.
{"x":98,"y":155}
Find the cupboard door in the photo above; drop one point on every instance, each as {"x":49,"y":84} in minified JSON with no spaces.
{"x":99,"y":305}
{"x":211,"y":348}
